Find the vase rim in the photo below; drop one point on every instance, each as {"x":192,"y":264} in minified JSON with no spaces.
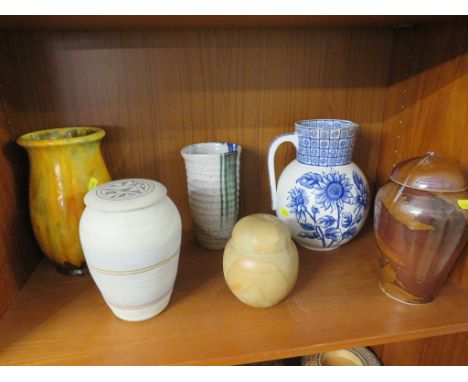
{"x":307,"y":123}
{"x":61,"y":136}
{"x":207,"y":149}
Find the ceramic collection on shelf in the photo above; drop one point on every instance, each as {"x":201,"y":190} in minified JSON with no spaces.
{"x":260,"y":261}
{"x":420,"y":226}
{"x":213,"y":182}
{"x":321,"y":195}
{"x":130,"y":230}
{"x":64,"y":164}
{"x":131,"y":235}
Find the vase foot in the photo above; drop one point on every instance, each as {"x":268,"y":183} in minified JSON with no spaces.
{"x":316,"y":249}
{"x":212,"y":243}
{"x":401,"y":300}
{"x":142,"y":313}
{"x":70,"y":270}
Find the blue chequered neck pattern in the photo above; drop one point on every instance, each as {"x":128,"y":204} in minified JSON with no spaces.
{"x":325,"y":142}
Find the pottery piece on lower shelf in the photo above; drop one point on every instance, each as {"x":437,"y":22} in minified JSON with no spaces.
{"x":131,"y":235}
{"x":322,"y":195}
{"x":420,"y":226}
{"x":65,"y":163}
{"x":260,"y":261}
{"x":275,"y":362}
{"x":345,"y":357}
{"x":213,"y":181}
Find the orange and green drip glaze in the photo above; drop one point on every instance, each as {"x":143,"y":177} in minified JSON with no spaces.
{"x":64,"y":164}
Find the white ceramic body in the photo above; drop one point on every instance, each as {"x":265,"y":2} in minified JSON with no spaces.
{"x":322,"y":195}
{"x":133,"y":256}
{"x":213,"y":182}
{"x":288,"y":181}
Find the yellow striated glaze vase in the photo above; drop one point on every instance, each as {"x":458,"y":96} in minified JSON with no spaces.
{"x":64,"y":164}
{"x":260,"y":261}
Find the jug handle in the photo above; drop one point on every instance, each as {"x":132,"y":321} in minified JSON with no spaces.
{"x":288,"y":137}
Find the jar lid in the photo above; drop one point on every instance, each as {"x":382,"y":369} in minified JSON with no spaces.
{"x":260,"y":234}
{"x":125,"y":195}
{"x":430,"y":173}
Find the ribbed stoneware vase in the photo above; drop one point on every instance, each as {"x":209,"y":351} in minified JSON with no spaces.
{"x":322,"y":195}
{"x":65,"y":164}
{"x":213,"y":181}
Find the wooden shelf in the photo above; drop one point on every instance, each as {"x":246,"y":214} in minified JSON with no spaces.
{"x":83,"y":23}
{"x":336,"y":303}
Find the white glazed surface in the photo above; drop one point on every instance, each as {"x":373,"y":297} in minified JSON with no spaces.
{"x":133,"y":256}
{"x":132,"y":293}
{"x":213,"y":224}
{"x":129,"y":240}
{"x":288,"y":180}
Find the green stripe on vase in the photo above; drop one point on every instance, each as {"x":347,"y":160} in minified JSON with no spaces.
{"x":228,"y":186}
{"x":221,"y":178}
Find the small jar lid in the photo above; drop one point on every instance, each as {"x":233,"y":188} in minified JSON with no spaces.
{"x":430,"y":173}
{"x":260,"y":234}
{"x":125,"y":195}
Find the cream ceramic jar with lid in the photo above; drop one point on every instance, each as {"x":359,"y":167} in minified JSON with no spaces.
{"x":130,"y":232}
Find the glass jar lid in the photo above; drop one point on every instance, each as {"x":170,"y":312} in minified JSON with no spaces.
{"x":125,"y":195}
{"x":430,"y":173}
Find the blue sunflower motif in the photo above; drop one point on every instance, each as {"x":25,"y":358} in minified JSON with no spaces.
{"x":298,"y":201}
{"x":361,"y":200}
{"x":333,"y":191}
{"x":329,"y":192}
{"x":362,"y":197}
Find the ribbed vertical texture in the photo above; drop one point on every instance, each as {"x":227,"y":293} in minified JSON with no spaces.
{"x":213,"y":188}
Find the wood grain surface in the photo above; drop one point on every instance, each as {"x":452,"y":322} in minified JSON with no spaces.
{"x":155,"y":92}
{"x":448,"y":350}
{"x":426,"y":109}
{"x":18,"y":252}
{"x":426,"y":105}
{"x":336,"y":303}
{"x":205,"y":22}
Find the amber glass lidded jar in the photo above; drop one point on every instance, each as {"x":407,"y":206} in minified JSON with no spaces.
{"x":65,"y":163}
{"x":420,"y":226}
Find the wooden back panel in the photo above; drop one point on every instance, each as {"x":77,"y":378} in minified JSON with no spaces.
{"x":155,"y":92}
{"x":426,"y":104}
{"x":18,"y":251}
{"x":426,"y":109}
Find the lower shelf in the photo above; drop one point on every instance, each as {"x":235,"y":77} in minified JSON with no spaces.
{"x":336,"y":303}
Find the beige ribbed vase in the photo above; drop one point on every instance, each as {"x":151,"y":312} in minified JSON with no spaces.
{"x":213,"y":188}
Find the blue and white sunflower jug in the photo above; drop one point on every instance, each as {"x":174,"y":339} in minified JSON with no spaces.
{"x":322,"y":195}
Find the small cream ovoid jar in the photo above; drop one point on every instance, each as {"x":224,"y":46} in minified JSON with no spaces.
{"x":130,"y":232}
{"x":260,"y":261}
